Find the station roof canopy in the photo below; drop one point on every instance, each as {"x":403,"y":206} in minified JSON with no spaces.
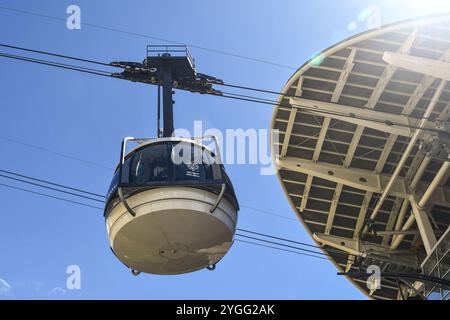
{"x":346,"y":119}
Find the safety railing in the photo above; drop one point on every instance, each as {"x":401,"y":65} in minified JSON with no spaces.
{"x":437,"y":264}
{"x":173,"y":50}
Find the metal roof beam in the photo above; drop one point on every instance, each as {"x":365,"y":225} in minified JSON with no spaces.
{"x":287,"y":135}
{"x":382,"y":121}
{"x":434,"y":68}
{"x":408,"y":150}
{"x":347,"y":162}
{"x":320,"y":140}
{"x":364,"y":249}
{"x":422,"y":87}
{"x":362,"y":213}
{"x":424,"y":225}
{"x":319,"y":143}
{"x":344,"y":76}
{"x":334,"y":204}
{"x":375,"y":182}
{"x":385,"y":153}
{"x":299,"y":89}
{"x":354,"y":143}
{"x":356,"y":178}
{"x":389,"y":72}
{"x":368,"y":196}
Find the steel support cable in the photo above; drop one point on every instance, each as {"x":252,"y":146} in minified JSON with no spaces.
{"x":102,"y":201}
{"x":281,"y":249}
{"x":235,"y":86}
{"x":278,"y":238}
{"x":338,"y":252}
{"x":29,"y":145}
{"x":230,"y":95}
{"x":226,"y":95}
{"x":281,"y":246}
{"x":108,"y":168}
{"x":48,"y":196}
{"x":56,"y":55}
{"x":285,"y":245}
{"x":314,"y":111}
{"x":51,"y":188}
{"x":52,"y":183}
{"x":136,"y":34}
{"x":57,"y":64}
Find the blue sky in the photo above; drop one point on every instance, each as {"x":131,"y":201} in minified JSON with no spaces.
{"x":87,"y":116}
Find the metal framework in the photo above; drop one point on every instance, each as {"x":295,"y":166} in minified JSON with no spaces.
{"x":170,"y":67}
{"x":363,"y":157}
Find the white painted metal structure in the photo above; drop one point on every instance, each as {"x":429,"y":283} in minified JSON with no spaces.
{"x":173,"y":231}
{"x":363,"y":151}
{"x":172,"y":227}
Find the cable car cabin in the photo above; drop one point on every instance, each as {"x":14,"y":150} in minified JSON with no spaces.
{"x":171,"y":207}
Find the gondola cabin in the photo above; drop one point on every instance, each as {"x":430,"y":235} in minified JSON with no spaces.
{"x":171,"y":208}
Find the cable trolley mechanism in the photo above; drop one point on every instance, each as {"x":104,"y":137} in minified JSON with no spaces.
{"x":171,"y":207}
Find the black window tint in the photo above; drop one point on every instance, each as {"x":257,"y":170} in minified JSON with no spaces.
{"x":150,"y":165}
{"x":161,"y":163}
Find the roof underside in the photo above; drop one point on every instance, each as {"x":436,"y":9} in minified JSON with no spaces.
{"x":353,"y":74}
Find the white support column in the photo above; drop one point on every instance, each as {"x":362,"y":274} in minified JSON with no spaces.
{"x":420,"y":171}
{"x":401,"y":217}
{"x":424,"y":84}
{"x":408,"y":149}
{"x":414,"y":183}
{"x":398,"y":239}
{"x":424,"y":225}
{"x":391,"y":220}
{"x":437,"y":181}
{"x":441,"y":195}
